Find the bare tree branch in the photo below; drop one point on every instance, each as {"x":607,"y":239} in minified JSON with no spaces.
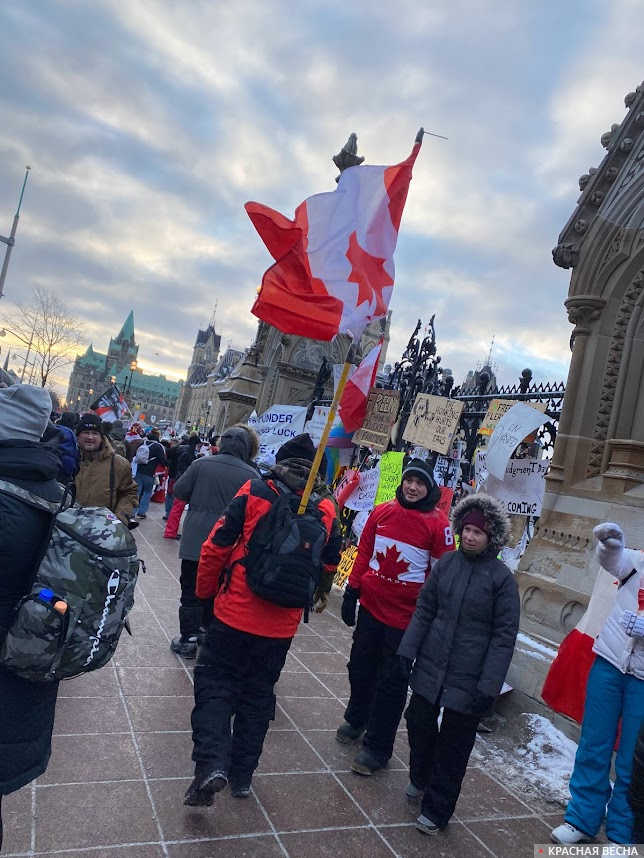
{"x":46,"y":325}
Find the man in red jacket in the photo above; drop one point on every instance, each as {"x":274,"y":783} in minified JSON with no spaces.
{"x":400,"y":541}
{"x":248,"y":640}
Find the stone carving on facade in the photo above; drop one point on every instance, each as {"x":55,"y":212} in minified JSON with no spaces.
{"x":534,"y":604}
{"x":583,"y":180}
{"x":571,"y":614}
{"x":611,"y":375}
{"x":309,"y":354}
{"x":626,"y":145}
{"x":566,"y":255}
{"x":615,"y":247}
{"x":581,"y":225}
{"x":582,"y":311}
{"x":607,"y":136}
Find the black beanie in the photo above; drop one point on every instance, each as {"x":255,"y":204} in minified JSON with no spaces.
{"x":300,"y":447}
{"x":419,"y":468}
{"x":89,"y":421}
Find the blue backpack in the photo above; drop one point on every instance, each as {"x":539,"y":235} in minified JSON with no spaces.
{"x":68,"y":452}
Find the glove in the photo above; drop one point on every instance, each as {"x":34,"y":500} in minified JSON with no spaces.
{"x":609,"y":534}
{"x":406,"y":665}
{"x":482,"y":705}
{"x":632,"y":624}
{"x":321,"y":601}
{"x":349,"y":605}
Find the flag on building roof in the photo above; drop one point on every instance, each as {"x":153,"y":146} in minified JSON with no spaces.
{"x":353,"y":402}
{"x":334,"y":267}
{"x":110,"y":406}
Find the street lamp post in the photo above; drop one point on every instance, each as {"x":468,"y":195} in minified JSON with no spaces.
{"x":128,"y":383}
{"x":11,"y":240}
{"x":5,"y":331}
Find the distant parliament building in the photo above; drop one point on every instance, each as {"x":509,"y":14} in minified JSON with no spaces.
{"x":154,"y":397}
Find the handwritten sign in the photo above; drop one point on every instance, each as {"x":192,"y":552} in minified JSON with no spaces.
{"x":364,"y":495}
{"x":512,"y":428}
{"x":445,"y":502}
{"x":496,"y":409}
{"x":523,"y":486}
{"x":390,"y":476}
{"x":382,"y":408}
{"x":315,"y":426}
{"x":275,"y":427}
{"x":447,"y":470}
{"x":345,"y":565}
{"x":433,"y":421}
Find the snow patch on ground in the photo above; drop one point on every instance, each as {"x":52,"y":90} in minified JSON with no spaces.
{"x":531,"y":757}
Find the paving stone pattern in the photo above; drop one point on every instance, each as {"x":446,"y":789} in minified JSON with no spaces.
{"x":121,"y":761}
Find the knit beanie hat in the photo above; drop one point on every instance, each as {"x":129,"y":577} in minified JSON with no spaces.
{"x":476,"y":517}
{"x":89,"y":421}
{"x":419,"y":468}
{"x":24,"y":412}
{"x":300,"y":447}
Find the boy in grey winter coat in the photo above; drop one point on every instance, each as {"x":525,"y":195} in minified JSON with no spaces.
{"x":457,"y":650}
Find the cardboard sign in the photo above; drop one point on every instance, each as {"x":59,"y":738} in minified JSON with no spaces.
{"x":390,"y":476}
{"x":523,"y":486}
{"x":433,"y":422}
{"x":512,"y":428}
{"x":495,"y":411}
{"x":364,"y":495}
{"x":275,"y":427}
{"x":345,"y":565}
{"x":382,"y":408}
{"x":445,"y":503}
{"x":315,"y":426}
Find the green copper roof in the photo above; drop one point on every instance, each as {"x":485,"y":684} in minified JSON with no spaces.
{"x":142,"y":383}
{"x":127,"y":331}
{"x":92,"y":358}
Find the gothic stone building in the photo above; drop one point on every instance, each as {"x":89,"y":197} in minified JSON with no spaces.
{"x":154,"y":397}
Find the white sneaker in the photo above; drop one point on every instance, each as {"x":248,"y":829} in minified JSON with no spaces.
{"x":567,"y":834}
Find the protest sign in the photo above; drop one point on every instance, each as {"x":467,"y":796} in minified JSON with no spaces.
{"x":523,"y":486}
{"x":382,"y":407}
{"x":358,"y":523}
{"x":315,"y":426}
{"x":495,"y":411}
{"x":275,"y":427}
{"x":512,"y":428}
{"x":447,"y":470}
{"x":345,"y":565}
{"x":337,"y":372}
{"x":445,"y":502}
{"x":390,"y":476}
{"x":364,"y":495}
{"x":433,"y":421}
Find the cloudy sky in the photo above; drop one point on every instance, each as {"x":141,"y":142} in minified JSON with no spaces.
{"x":148,"y":124}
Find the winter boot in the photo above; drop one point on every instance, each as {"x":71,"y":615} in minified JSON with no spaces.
{"x":567,"y":835}
{"x":365,"y":764}
{"x":348,"y":735}
{"x":201,"y":792}
{"x":184,"y":646}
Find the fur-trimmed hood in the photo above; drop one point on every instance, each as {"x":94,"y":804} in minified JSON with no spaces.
{"x":241,"y":441}
{"x":493,"y":511}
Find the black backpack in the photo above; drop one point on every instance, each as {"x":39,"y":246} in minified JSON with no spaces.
{"x":284,"y":560}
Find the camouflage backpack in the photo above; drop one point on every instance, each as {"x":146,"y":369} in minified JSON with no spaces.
{"x":83,"y":588}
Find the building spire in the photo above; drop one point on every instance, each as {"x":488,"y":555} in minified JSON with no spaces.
{"x":214,"y":313}
{"x":488,"y":360}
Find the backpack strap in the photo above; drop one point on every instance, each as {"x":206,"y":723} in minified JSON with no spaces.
{"x":627,"y":579}
{"x":112,"y":480}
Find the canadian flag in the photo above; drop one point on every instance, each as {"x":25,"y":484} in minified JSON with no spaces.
{"x":353,"y":403}
{"x":334,"y":268}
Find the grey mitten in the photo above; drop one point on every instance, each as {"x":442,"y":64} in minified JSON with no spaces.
{"x":609,"y":534}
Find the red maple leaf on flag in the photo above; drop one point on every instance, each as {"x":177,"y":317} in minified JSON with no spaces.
{"x":369,"y":273}
{"x":391,"y":563}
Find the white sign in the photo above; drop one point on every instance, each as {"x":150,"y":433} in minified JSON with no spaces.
{"x":523,"y":486}
{"x":275,"y":427}
{"x":337,"y":372}
{"x":364,"y":495}
{"x":315,"y":426}
{"x":447,"y":470}
{"x":433,"y":422}
{"x":512,"y":428}
{"x":359,"y":522}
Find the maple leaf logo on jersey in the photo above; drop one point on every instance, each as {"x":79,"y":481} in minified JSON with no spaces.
{"x":391,"y":563}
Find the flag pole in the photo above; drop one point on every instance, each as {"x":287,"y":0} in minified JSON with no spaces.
{"x":308,"y":488}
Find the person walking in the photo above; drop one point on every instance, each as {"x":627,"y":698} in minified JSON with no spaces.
{"x":208,"y":485}
{"x":104,"y":478}
{"x":460,"y":642}
{"x":186,"y":454}
{"x":145,"y":470}
{"x":248,"y":639}
{"x":614,"y":697}
{"x":400,"y":543}
{"x":26,"y":708}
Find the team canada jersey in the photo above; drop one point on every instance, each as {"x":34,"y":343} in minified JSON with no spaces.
{"x":397,"y":549}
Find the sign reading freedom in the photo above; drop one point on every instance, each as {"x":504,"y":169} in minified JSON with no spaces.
{"x":433,"y":421}
{"x":382,"y":408}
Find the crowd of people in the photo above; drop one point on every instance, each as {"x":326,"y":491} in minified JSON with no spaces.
{"x":433,"y":609}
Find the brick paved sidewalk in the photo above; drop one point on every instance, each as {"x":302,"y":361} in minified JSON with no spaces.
{"x":121,"y":762}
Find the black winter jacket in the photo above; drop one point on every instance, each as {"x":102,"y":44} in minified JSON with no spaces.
{"x":463,"y":630}
{"x":26,"y":708}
